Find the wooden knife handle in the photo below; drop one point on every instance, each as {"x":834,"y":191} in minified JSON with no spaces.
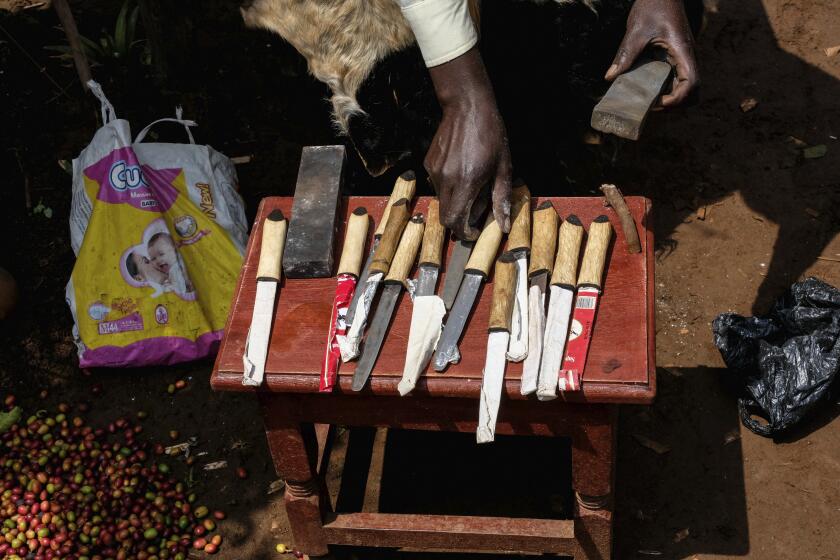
{"x":403,"y":188}
{"x":519,"y":237}
{"x":485,"y":248}
{"x":406,"y":251}
{"x":271,"y":247}
{"x":433,"y":236}
{"x":397,"y":219}
{"x":595,"y":254}
{"x":501,"y":306}
{"x":354,"y":242}
{"x":568,"y":252}
{"x":544,"y":239}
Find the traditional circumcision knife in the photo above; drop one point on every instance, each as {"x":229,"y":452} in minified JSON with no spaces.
{"x":394,"y":284}
{"x":268,"y":277}
{"x":461,"y":251}
{"x":403,"y":188}
{"x":427,"y":314}
{"x":561,"y":294}
{"x":543,"y":245}
{"x":476,"y":271}
{"x":379,"y":266}
{"x":348,"y":271}
{"x":497,"y":343}
{"x":519,"y":243}
{"x":588,"y":292}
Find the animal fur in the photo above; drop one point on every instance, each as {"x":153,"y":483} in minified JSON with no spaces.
{"x":341,"y":40}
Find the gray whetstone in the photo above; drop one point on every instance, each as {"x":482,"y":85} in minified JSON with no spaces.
{"x":623,"y":109}
{"x":311,"y":237}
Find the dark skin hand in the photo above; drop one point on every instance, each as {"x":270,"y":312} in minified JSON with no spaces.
{"x":469,"y":151}
{"x":663,"y":24}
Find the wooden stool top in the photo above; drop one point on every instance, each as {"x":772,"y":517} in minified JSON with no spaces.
{"x":620,"y":366}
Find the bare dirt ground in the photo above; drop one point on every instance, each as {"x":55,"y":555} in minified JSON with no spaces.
{"x":739,"y":215}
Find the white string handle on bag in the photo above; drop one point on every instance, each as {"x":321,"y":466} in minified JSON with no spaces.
{"x":108,"y":113}
{"x":178,"y":114}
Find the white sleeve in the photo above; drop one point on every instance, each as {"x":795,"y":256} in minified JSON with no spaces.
{"x":443,"y":28}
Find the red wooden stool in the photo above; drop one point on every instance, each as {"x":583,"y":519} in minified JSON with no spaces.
{"x":620,"y":369}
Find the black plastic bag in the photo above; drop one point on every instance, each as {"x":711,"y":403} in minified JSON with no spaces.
{"x":787,"y":360}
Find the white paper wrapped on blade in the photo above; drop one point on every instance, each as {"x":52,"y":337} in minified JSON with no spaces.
{"x":518,"y":345}
{"x":424,"y":333}
{"x":491,"y":386}
{"x":536,"y":330}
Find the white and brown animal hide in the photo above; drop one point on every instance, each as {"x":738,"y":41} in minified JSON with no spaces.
{"x":341,"y":40}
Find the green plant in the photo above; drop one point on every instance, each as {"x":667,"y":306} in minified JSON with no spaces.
{"x":118,"y":45}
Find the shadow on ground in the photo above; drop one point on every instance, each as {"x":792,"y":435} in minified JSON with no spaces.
{"x":680,"y":482}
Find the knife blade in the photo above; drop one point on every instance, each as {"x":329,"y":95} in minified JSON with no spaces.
{"x":475,"y":272}
{"x":559,"y":306}
{"x":461,"y":252}
{"x":588,"y":293}
{"x":498,"y":328}
{"x":268,"y":277}
{"x":397,"y":218}
{"x":403,"y":188}
{"x":428,"y":311}
{"x":394,"y":284}
{"x":348,"y":271}
{"x":519,"y":243}
{"x":543,"y":245}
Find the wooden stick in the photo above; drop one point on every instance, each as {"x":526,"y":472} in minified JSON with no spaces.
{"x":62,"y":8}
{"x":628,"y":225}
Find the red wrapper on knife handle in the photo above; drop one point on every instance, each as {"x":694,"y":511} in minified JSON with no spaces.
{"x":586,"y":305}
{"x":347,"y":276}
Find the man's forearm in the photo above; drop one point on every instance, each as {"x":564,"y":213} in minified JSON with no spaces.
{"x":463,"y":82}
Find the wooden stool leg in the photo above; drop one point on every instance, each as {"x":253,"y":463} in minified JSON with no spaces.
{"x":291,"y":455}
{"x":593,"y":468}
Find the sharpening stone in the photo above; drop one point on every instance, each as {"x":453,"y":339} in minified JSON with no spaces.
{"x":312,"y":229}
{"x":622,"y":111}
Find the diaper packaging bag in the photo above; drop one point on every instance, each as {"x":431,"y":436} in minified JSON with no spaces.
{"x":159,"y":231}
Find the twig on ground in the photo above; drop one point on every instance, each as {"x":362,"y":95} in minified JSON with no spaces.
{"x":65,"y":15}
{"x":628,"y":224}
{"x":27,"y":191}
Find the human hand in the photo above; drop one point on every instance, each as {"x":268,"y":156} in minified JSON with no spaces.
{"x":663,"y":24}
{"x":469,"y":150}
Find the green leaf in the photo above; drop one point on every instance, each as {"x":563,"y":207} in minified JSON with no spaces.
{"x":120,"y":42}
{"x":9,"y":419}
{"x":814,"y":152}
{"x":90,"y":46}
{"x":58,"y":48}
{"x":131,"y":32}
